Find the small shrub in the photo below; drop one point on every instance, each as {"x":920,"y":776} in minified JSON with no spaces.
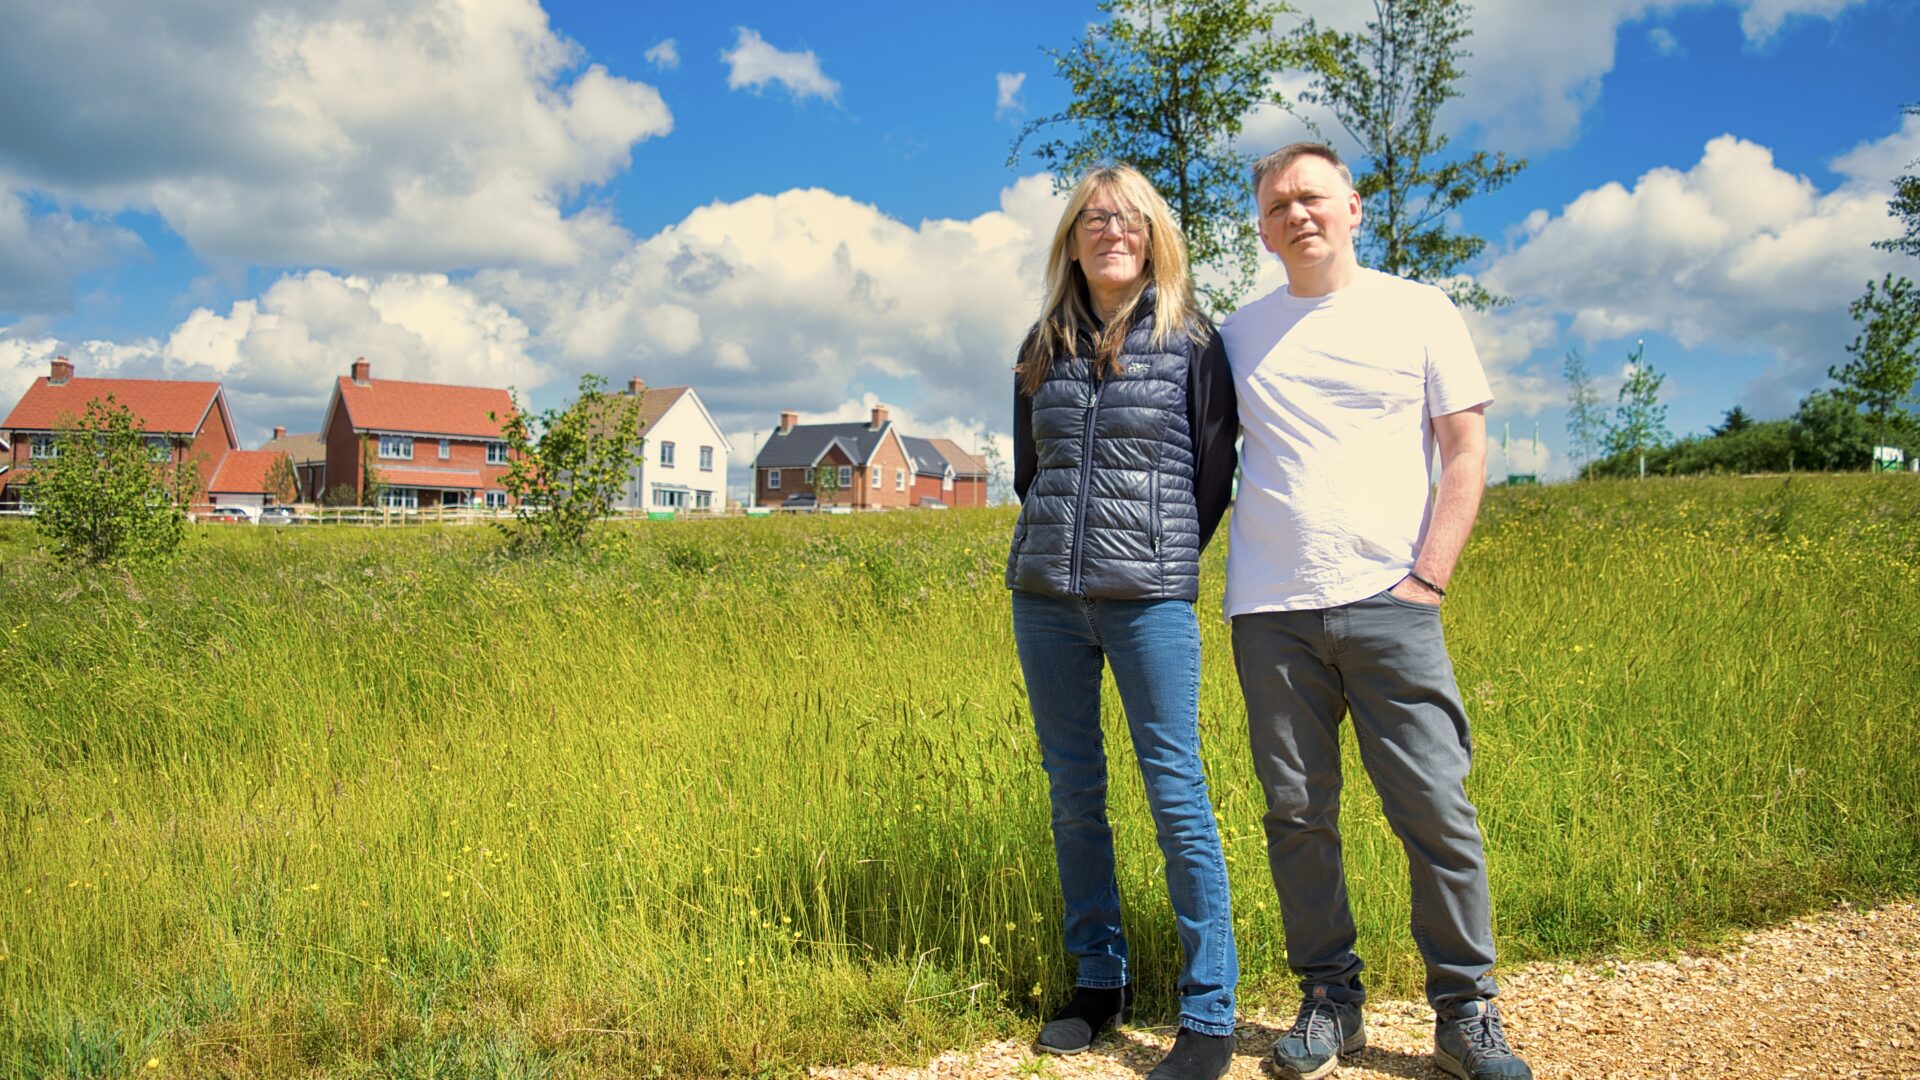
{"x":104,"y":499}
{"x":568,"y":478}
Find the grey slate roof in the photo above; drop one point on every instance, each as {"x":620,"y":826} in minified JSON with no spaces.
{"x":926,"y":457}
{"x":800,"y":447}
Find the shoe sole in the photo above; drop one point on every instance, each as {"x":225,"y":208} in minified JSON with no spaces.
{"x":1115,"y":1021}
{"x":1449,"y":1064}
{"x":1288,"y":1072}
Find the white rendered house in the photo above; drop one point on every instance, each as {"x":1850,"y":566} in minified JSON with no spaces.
{"x":683,"y":460}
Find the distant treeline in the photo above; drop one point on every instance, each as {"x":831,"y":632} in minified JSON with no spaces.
{"x":1826,"y":434}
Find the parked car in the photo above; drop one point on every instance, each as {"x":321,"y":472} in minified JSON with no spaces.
{"x":233,"y":515}
{"x":801,"y":502}
{"x":277,"y":515}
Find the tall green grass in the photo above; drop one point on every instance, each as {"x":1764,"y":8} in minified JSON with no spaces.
{"x":736,"y":797}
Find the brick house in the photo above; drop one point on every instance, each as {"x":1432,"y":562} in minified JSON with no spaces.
{"x":185,"y":423}
{"x":429,"y":445}
{"x":308,"y":453}
{"x":944,"y":474}
{"x":869,"y":463}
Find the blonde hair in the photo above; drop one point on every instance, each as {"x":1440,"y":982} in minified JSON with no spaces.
{"x":1068,"y":312}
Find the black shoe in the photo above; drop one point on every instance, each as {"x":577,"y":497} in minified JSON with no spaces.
{"x":1085,"y":1016}
{"x":1195,"y":1056}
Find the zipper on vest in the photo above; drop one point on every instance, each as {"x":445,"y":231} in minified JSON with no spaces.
{"x":1153,"y":508}
{"x":1086,"y":483}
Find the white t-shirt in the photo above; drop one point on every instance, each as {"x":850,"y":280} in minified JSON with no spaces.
{"x":1337,"y":395}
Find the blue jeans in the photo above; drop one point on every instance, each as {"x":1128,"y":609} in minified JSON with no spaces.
{"x":1154,"y":647}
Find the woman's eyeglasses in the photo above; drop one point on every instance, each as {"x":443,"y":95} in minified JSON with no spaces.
{"x":1095,"y":221}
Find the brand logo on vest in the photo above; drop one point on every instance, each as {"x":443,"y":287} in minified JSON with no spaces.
{"x":1139,"y":367}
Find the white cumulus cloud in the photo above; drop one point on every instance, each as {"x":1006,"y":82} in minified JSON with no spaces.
{"x":277,"y":355}
{"x":753,"y":64}
{"x":806,"y":300}
{"x":1007,"y":97}
{"x":419,"y":134}
{"x":665,"y":56}
{"x":41,"y":253}
{"x":1734,"y":252}
{"x":1536,"y":67}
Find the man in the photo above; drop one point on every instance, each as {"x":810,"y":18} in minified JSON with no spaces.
{"x":1339,"y":559}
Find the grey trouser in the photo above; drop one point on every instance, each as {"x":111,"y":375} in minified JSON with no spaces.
{"x":1384,"y":660}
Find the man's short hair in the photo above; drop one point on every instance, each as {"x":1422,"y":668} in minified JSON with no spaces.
{"x":1292,"y":152}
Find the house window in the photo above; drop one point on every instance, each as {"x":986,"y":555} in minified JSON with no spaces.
{"x":496,"y":500}
{"x":773,"y":479}
{"x":668,"y":499}
{"x":157,"y":448}
{"x":899,"y":479}
{"x":396,"y":446}
{"x":44,"y":446}
{"x":873,"y":479}
{"x":703,"y":500}
{"x":846,"y":477}
{"x":496,"y":453}
{"x":706,"y":459}
{"x":400,"y":498}
{"x":446,"y":449}
{"x":946,"y":480}
{"x":455,"y":500}
{"x":666,"y":455}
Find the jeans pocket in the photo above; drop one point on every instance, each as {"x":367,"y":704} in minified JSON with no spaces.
{"x":1396,"y":601}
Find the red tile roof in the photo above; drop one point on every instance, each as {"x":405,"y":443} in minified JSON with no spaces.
{"x":964,"y":464}
{"x":244,"y":472}
{"x":424,"y":408}
{"x":655,"y":401}
{"x":163,"y":406}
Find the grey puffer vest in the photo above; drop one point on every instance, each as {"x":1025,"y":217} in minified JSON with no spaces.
{"x":1111,"y":513}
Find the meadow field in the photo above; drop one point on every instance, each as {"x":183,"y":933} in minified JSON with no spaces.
{"x":740,"y":796}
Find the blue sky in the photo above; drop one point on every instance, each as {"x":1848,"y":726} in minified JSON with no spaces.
{"x":812,"y":208}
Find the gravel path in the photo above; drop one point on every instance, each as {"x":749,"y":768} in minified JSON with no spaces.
{"x":1836,"y":994}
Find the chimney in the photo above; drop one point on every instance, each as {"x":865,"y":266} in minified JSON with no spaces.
{"x":62,"y":371}
{"x":279,"y":432}
{"x":879,"y":417}
{"x":636,"y":386}
{"x":362,"y":372}
{"x":787,"y":420}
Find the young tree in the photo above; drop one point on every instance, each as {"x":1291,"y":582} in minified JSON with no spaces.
{"x":1830,"y":433}
{"x":999,"y":476}
{"x":1386,"y":86}
{"x":1905,"y":205}
{"x":826,"y":483}
{"x":282,"y":484}
{"x":1733,"y":423}
{"x":1886,"y":355}
{"x":106,"y":497}
{"x":1586,"y":422}
{"x":1639,"y":420}
{"x":1164,"y":85}
{"x":371,"y":486}
{"x":567,"y":479}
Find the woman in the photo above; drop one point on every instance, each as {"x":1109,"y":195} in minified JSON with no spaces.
{"x":1123,"y":459}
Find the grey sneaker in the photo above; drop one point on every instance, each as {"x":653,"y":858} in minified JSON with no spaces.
{"x":1471,"y":1046}
{"x":1322,"y":1031}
